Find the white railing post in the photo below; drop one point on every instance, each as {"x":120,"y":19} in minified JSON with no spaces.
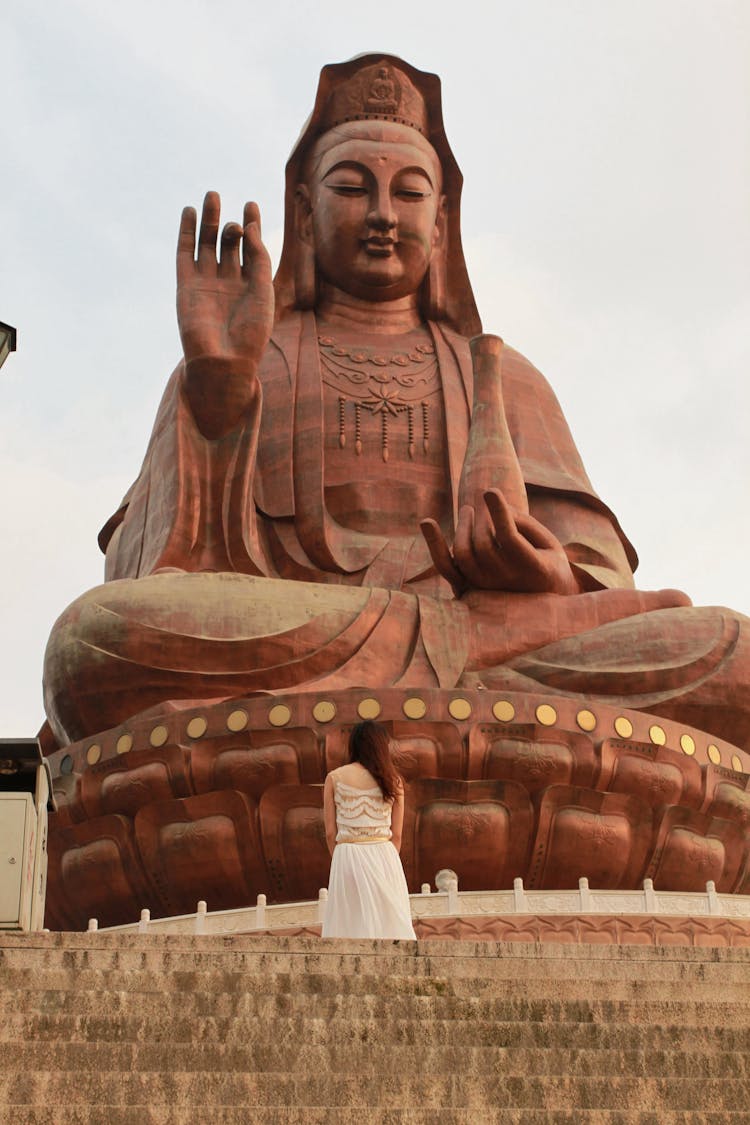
{"x":519,"y":897}
{"x":649,"y":897}
{"x":584,"y":895}
{"x":322,"y":900}
{"x":200,"y":917}
{"x":713,"y":898}
{"x":446,"y":882}
{"x":425,"y":889}
{"x":260,"y":912}
{"x":145,"y":919}
{"x":93,"y":925}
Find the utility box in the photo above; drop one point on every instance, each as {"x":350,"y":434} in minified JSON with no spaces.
{"x":25,"y":799}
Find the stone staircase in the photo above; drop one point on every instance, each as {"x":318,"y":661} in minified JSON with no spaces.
{"x":129,"y":1029}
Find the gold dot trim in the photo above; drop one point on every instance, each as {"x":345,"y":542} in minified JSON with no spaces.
{"x":158,"y":736}
{"x":737,"y":763}
{"x":414,"y":708}
{"x":124,"y":744}
{"x":687,"y":744}
{"x":459,"y":708}
{"x":368,"y":709}
{"x":197,"y":727}
{"x":714,"y":754}
{"x":546,"y":715}
{"x":586,"y":720}
{"x":324,"y":711}
{"x":237,"y":720}
{"x":657,"y":735}
{"x":623,"y":726}
{"x":503,"y":711}
{"x":93,"y":754}
{"x":279,"y":715}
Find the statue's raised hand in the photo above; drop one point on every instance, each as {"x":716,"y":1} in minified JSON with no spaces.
{"x":224,"y":311}
{"x":497,"y":548}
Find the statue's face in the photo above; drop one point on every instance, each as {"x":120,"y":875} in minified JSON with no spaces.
{"x":375,"y":211}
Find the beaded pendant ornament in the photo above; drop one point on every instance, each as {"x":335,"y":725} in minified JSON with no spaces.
{"x":389,"y":386}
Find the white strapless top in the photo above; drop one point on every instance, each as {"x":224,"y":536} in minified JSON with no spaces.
{"x":360,"y":812}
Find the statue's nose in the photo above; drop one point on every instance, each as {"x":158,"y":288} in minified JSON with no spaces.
{"x":381,"y":217}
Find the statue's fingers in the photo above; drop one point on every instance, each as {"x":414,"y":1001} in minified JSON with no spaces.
{"x":517,"y":556}
{"x":441,"y":555}
{"x":502,"y":516}
{"x":464,"y":531}
{"x":251,"y":214}
{"x":209,"y":228}
{"x":505,"y":523}
{"x":186,"y":243}
{"x":231,"y":236}
{"x":536,"y":533}
{"x":254,"y":253}
{"x":483,"y":539}
{"x":517,"y":528}
{"x":252,"y":244}
{"x":472,"y":563}
{"x":491,"y":562}
{"x":256,"y":262}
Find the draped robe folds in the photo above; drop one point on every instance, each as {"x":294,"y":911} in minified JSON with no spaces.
{"x":227,"y":574}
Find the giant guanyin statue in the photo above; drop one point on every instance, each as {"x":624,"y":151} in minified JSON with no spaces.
{"x":348,"y":486}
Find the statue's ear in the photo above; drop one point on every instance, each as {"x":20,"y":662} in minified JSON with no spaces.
{"x":305,"y":280}
{"x":433,"y":295}
{"x":303,"y":214}
{"x":441,"y":224}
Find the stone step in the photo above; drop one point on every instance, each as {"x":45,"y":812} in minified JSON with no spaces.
{"x":305,"y":1059}
{"x":456,"y":959}
{"x":392,"y":1089}
{"x":134,"y":1029}
{"x":107,"y":1114}
{"x":342,"y":1031}
{"x":500,"y":970}
{"x":109,"y":943}
{"x":229,"y":988}
{"x":268,"y":1005}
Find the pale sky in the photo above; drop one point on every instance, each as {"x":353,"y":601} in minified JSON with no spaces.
{"x":605,"y":146}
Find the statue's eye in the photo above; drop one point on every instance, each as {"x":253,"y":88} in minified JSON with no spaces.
{"x":412,"y":186}
{"x":348,"y":189}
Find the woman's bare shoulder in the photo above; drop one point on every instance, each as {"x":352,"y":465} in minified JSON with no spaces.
{"x":353,"y":774}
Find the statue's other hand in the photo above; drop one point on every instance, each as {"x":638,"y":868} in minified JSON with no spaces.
{"x":498,"y":548}
{"x":225,"y":308}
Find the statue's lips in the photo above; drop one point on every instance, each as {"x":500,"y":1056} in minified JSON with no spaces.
{"x":379,"y":247}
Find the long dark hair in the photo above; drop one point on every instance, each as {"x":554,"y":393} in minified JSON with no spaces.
{"x":370,"y":745}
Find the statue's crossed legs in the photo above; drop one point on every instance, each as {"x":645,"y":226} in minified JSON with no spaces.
{"x":134,"y":643}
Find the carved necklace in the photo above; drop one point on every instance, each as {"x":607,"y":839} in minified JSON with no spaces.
{"x":382,"y":384}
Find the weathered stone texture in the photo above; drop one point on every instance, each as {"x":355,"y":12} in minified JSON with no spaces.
{"x":125,"y":1029}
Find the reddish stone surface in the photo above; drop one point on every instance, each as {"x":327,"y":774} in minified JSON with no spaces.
{"x":593,"y":929}
{"x":226,"y":815}
{"x":573,"y":929}
{"x":348,"y":486}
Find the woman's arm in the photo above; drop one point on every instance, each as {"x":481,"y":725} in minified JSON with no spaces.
{"x":397,"y":818}
{"x":329,"y":813}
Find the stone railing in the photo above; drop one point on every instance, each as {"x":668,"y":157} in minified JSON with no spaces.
{"x":449,"y":902}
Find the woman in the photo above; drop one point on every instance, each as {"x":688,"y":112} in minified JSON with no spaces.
{"x":364,"y":814}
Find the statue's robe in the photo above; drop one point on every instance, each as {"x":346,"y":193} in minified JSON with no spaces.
{"x":191,"y":505}
{"x":227,"y":574}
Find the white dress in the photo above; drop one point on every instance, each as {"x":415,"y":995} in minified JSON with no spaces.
{"x":367,"y":892}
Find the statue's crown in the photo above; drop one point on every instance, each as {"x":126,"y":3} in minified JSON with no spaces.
{"x":376,"y":93}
